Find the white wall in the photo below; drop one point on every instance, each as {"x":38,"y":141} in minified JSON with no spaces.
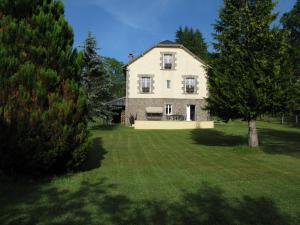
{"x":150,"y":64}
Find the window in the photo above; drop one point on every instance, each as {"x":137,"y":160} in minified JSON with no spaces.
{"x":168,"y":109}
{"x":168,"y":84}
{"x":190,"y":85}
{"x":145,"y":84}
{"x":168,"y":61}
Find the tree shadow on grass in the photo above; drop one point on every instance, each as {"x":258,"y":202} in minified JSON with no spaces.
{"x":94,"y":203}
{"x":217,"y":138}
{"x":95,"y":155}
{"x":280,"y":141}
{"x":271,"y":140}
{"x":294,"y":125}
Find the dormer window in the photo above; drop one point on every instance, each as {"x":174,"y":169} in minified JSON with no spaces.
{"x":168,"y":61}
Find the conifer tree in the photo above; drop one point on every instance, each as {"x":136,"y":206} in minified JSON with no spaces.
{"x":95,"y":80}
{"x":43,"y":125}
{"x":192,"y":40}
{"x":247,"y":78}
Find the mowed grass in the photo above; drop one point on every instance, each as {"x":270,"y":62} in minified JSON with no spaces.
{"x":169,"y":177}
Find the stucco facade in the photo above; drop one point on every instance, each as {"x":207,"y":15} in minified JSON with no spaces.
{"x":150,"y":64}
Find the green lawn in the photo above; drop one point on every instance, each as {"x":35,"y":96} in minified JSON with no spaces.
{"x":169,"y":177}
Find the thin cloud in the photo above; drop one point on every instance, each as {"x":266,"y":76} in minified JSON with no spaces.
{"x":137,"y":14}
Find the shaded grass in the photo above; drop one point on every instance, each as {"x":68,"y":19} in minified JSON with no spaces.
{"x":273,"y":138}
{"x":207,"y":205}
{"x":95,"y":155}
{"x":169,"y":177}
{"x":280,"y":141}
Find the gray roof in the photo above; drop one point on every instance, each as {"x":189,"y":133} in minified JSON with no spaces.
{"x":167,"y":42}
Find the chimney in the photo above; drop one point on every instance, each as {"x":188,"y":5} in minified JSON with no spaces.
{"x":130,"y":57}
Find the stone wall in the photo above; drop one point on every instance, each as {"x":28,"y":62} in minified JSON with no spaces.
{"x":136,"y":107}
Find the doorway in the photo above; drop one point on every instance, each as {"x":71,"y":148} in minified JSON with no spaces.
{"x":190,"y":113}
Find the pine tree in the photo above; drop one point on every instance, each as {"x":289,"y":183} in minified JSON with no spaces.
{"x":247,"y":78}
{"x":43,"y":125}
{"x":192,"y":40}
{"x":95,"y":80}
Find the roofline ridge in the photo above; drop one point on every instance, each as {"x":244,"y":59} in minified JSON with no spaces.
{"x":176,"y":45}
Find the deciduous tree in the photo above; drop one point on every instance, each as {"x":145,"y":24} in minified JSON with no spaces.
{"x":291,"y":23}
{"x":114,"y":69}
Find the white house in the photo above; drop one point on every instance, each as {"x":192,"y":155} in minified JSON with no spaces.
{"x":166,"y":83}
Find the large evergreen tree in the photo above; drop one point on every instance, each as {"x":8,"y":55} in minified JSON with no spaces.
{"x":247,"y":77}
{"x":192,"y":40}
{"x":291,"y":23}
{"x":43,"y":127}
{"x":96,"y":81}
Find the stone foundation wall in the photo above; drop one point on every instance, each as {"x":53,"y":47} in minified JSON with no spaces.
{"x":137,"y":107}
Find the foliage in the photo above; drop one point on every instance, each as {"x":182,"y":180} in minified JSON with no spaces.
{"x":43,"y":125}
{"x":114,"y":70}
{"x":192,"y":40}
{"x":247,"y":77}
{"x":96,"y":82}
{"x":291,"y":23}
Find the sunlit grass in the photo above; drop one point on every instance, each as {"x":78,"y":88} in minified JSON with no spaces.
{"x":169,"y":177}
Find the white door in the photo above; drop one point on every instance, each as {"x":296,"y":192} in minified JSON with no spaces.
{"x":188,"y":113}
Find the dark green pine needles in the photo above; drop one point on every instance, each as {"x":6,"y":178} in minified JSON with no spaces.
{"x":96,"y":81}
{"x":192,"y":40}
{"x":43,"y":121}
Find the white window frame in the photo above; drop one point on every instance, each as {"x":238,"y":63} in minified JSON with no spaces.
{"x":190,"y":81}
{"x":168,"y":60}
{"x":145,"y":84}
{"x":168,"y":109}
{"x":168,"y":84}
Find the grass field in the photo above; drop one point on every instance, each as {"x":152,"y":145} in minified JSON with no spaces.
{"x":169,"y":177}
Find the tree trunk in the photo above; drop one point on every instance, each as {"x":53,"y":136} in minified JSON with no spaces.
{"x":296,"y":119}
{"x":252,"y":133}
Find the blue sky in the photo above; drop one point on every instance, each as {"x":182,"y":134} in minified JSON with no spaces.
{"x":124,"y":26}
